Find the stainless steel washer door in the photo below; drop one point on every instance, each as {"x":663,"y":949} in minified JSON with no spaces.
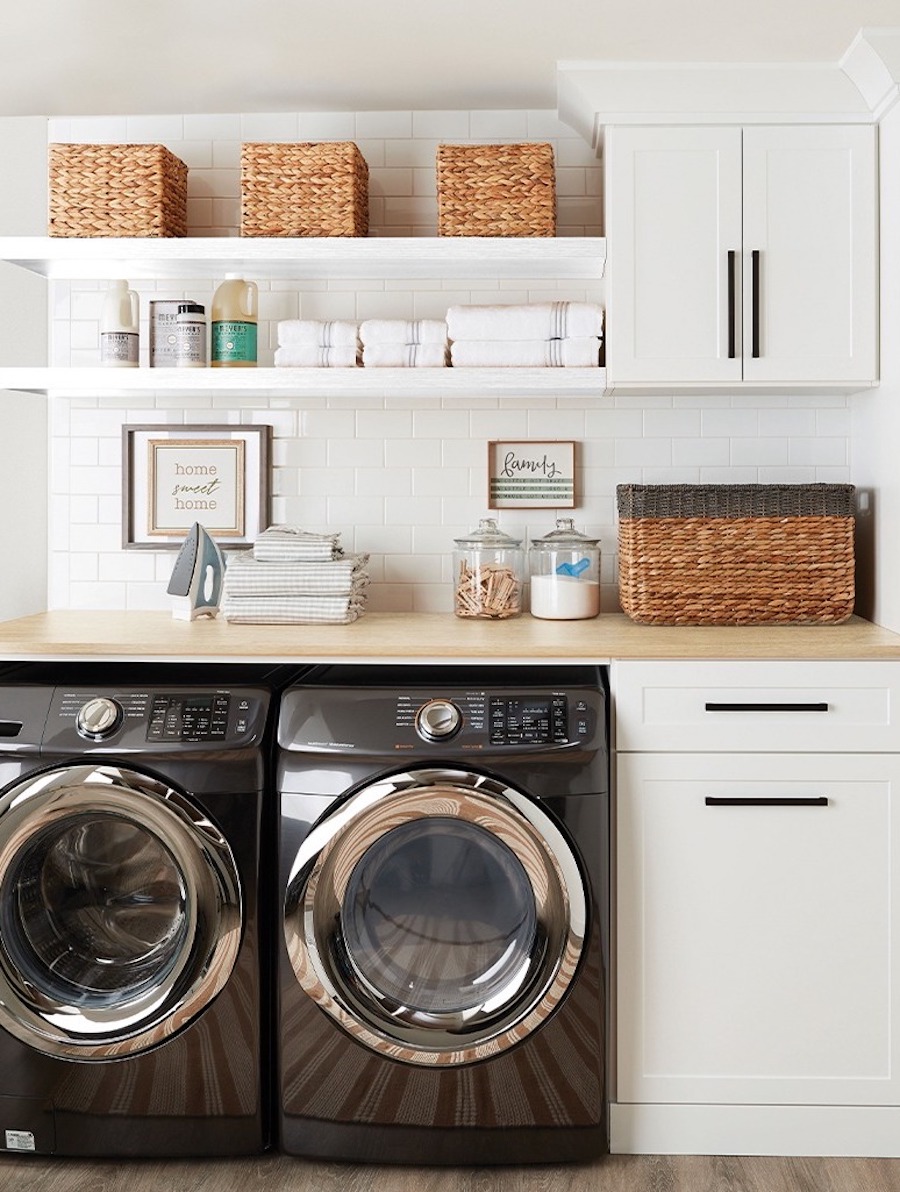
{"x":120,"y":911}
{"x":438,"y":916}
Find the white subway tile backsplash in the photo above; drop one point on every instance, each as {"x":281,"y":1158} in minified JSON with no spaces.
{"x":787,"y":422}
{"x":400,"y":475}
{"x":764,"y":452}
{"x":502,"y":125}
{"x":269,"y":126}
{"x":700,"y":452}
{"x":384,"y":124}
{"x":326,"y":126}
{"x":154,"y":129}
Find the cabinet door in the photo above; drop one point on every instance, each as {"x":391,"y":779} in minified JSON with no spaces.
{"x":755,"y":942}
{"x":673,"y":215}
{"x":810,"y":253}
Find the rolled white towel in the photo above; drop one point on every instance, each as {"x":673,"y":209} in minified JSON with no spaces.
{"x":403,"y":331}
{"x":316,"y":357}
{"x":509,"y":353}
{"x":316,"y":333}
{"x":404,"y":356}
{"x":531,"y":321}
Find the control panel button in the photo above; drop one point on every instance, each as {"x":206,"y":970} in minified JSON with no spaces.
{"x":98,"y":718}
{"x":438,"y":720}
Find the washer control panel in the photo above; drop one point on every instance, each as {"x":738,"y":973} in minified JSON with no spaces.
{"x":189,"y":717}
{"x":144,"y":719}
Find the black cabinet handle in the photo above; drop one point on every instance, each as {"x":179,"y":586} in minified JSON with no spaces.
{"x":762,"y":801}
{"x":754,"y":307}
{"x":711,"y":707}
{"x":732,"y":304}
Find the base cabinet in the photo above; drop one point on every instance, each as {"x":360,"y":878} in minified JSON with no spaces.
{"x":755,"y":929}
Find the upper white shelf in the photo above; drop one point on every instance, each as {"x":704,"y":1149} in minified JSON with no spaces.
{"x":98,"y":258}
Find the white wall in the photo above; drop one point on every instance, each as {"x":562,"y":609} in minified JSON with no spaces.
{"x":399,"y":477}
{"x":23,"y":340}
{"x":875,"y":453}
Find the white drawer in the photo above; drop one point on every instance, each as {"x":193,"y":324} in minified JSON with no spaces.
{"x":834,"y":707}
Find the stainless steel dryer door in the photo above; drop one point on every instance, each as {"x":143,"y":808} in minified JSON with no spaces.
{"x":437,"y":915}
{"x":120,"y":911}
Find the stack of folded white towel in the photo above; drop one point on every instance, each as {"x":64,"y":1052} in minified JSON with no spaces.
{"x":312,"y":343}
{"x":533,"y":335}
{"x":295,"y":576}
{"x":403,"y":343}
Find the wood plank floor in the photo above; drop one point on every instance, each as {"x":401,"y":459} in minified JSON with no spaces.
{"x":617,"y":1173}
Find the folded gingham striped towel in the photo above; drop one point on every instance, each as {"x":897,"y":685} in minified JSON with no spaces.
{"x":247,"y":576}
{"x":290,"y":544}
{"x":293,"y":610}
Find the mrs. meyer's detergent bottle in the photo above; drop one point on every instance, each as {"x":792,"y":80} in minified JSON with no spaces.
{"x":234,"y":314}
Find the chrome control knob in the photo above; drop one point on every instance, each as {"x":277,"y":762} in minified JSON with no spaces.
{"x":98,"y":718}
{"x":438,"y":720}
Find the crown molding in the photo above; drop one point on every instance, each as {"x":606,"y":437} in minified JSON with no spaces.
{"x":858,"y":89}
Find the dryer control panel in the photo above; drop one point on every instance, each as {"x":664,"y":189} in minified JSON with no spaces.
{"x":425,"y":721}
{"x":143,"y":720}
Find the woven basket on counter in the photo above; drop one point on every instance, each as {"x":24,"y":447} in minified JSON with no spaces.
{"x":117,"y":190}
{"x":313,"y":188}
{"x":733,"y":554}
{"x":496,"y":190}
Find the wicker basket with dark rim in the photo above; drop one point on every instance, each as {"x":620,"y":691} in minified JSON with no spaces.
{"x":496,"y":190}
{"x":309,"y":188}
{"x":117,"y":190}
{"x":726,"y":554}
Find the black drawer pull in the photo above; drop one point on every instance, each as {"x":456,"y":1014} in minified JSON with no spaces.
{"x":762,"y":801}
{"x":711,"y":707}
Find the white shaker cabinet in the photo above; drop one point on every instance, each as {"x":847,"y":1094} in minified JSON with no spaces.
{"x":757,"y":896}
{"x":756,"y":956}
{"x":741,"y":256}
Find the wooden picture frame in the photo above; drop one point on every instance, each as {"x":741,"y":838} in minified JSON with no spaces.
{"x":524,"y":474}
{"x":173,"y":476}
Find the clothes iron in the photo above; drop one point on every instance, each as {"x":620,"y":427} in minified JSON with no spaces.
{"x":196,"y":580}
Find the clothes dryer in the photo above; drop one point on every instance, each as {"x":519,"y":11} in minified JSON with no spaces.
{"x":444,"y":841}
{"x":131,"y":1018}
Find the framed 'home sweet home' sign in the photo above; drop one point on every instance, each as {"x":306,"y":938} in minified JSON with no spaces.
{"x":173,"y":476}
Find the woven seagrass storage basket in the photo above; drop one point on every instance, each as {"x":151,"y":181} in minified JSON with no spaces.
{"x":496,"y":190}
{"x":312,"y":188}
{"x":725,"y":554}
{"x":117,"y":190}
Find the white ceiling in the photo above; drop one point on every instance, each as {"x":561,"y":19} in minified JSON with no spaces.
{"x":91,"y":57}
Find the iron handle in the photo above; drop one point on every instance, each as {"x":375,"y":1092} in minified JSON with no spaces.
{"x":754,"y":303}
{"x":732,"y":304}
{"x":797,"y":707}
{"x":763,"y":801}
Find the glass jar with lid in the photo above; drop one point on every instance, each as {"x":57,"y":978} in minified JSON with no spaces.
{"x":565,"y":574}
{"x":488,"y":568}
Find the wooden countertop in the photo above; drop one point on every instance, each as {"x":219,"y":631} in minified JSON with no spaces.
{"x":425,"y":637}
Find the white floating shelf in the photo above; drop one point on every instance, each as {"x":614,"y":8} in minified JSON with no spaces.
{"x":325,"y":382}
{"x":99,"y":258}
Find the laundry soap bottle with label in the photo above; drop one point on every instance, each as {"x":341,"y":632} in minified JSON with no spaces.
{"x":234,"y":316}
{"x":120,"y":327}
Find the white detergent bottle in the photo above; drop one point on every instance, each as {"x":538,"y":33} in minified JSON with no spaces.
{"x":234,"y":319}
{"x":120,"y":327}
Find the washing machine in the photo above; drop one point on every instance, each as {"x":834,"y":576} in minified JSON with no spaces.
{"x":444,"y":887}
{"x":131,"y":1017}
